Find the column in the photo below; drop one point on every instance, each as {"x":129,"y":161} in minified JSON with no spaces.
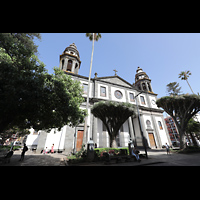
{"x":94,"y":135}
{"x":65,"y":64}
{"x":130,"y":124}
{"x":147,"y":88}
{"x":156,"y":132}
{"x":146,"y":137}
{"x":73,"y":65}
{"x":41,"y":141}
{"x":69,"y":139}
{"x":137,"y":131}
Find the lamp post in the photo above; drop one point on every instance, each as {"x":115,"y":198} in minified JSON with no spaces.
{"x":141,"y":129}
{"x":85,"y":135}
{"x":90,"y":145}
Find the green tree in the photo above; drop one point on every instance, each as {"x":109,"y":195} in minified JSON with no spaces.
{"x":173,"y":88}
{"x":9,"y":133}
{"x":184,"y":76}
{"x":92,"y":37}
{"x":29,"y":96}
{"x":181,"y":108}
{"x":96,"y":36}
{"x":193,"y":127}
{"x":61,"y":103}
{"x":113,"y":115}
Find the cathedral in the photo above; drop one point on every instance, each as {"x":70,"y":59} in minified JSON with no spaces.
{"x":113,"y":88}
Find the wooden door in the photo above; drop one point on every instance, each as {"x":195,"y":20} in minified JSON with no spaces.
{"x":79,"y":140}
{"x":152,"y":140}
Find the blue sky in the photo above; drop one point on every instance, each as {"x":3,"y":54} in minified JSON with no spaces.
{"x":161,"y":55}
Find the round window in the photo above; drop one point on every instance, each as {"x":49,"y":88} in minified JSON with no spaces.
{"x":118,"y":94}
{"x":148,"y":123}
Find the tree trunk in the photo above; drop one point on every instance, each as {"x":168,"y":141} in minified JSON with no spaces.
{"x":181,"y":130}
{"x":189,"y":86}
{"x":182,"y":139}
{"x":193,"y":139}
{"x":113,"y":143}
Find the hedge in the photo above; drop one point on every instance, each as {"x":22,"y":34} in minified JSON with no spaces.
{"x":117,"y":150}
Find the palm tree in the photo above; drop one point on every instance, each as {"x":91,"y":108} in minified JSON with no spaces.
{"x":193,"y":127}
{"x":96,"y":36}
{"x":92,"y":37}
{"x":184,"y":76}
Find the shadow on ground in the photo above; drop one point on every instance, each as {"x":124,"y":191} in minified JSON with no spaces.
{"x":33,"y":160}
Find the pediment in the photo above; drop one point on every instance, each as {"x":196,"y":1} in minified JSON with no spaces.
{"x":115,"y":80}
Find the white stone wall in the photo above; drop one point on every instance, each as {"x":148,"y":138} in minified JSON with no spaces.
{"x":55,"y":137}
{"x":162,"y":132}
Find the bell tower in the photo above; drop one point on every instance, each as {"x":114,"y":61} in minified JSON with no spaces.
{"x":142,"y":81}
{"x":70,"y":59}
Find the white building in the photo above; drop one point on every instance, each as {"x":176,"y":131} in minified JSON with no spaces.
{"x":112,"y":88}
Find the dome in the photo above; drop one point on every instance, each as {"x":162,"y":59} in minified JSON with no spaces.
{"x":142,"y":81}
{"x":73,"y":45}
{"x":139,"y":70}
{"x":72,"y":49}
{"x":140,"y":75}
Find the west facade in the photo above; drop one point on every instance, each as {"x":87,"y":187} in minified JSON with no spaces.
{"x":109,"y":88}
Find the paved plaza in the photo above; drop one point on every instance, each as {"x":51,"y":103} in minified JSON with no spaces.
{"x":33,"y":159}
{"x":156,"y":158}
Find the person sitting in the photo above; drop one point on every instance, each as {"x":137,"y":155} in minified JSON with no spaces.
{"x":135,"y":153}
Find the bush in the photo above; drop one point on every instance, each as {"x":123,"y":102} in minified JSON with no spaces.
{"x":116,"y":150}
{"x":190,"y":149}
{"x":78,"y":157}
{"x":7,"y":147}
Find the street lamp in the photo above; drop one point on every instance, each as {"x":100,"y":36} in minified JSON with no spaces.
{"x":141,"y":129}
{"x":85,"y":133}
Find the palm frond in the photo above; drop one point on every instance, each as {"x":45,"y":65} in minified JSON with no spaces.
{"x":188,"y":73}
{"x":97,"y":36}
{"x":181,"y":74}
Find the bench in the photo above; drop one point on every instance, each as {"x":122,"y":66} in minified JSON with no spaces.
{"x":123,"y":155}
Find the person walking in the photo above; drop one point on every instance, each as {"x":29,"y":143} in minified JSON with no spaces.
{"x":52,"y":151}
{"x":167,"y":149}
{"x":23,"y":152}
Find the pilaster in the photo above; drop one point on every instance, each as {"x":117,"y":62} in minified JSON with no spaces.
{"x":41,"y":141}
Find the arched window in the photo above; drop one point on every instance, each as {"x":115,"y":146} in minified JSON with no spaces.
{"x":63,"y":62}
{"x":149,"y":87}
{"x":144,"y":86}
{"x":69,"y":66}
